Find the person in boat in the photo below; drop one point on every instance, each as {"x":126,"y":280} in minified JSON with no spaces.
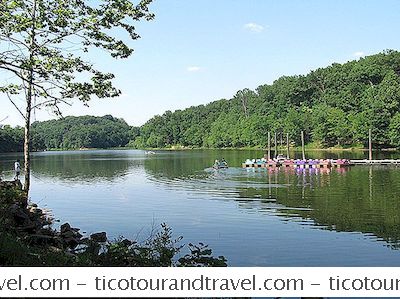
{"x":223,"y":162}
{"x":216,"y":164}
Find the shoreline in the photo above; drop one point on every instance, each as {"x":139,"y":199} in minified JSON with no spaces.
{"x":181,"y":148}
{"x":28,"y":238}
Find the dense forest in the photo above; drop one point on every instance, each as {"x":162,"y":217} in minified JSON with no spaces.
{"x":69,"y":133}
{"x":80,"y":132}
{"x":334,"y":106}
{"x":11,"y":139}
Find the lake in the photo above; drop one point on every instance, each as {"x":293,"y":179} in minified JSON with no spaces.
{"x":341,"y":217}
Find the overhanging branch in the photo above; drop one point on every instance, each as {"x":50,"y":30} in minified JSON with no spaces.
{"x":19,"y":110}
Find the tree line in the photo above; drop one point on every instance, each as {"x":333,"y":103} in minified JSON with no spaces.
{"x":334,"y":106}
{"x":69,"y":133}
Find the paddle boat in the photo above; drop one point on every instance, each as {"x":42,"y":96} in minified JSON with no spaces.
{"x":220,"y":164}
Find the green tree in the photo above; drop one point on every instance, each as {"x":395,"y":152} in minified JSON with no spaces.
{"x":335,"y":105}
{"x":394,"y":130}
{"x":43,"y":42}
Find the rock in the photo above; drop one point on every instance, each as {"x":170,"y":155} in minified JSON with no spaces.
{"x":71,"y":234}
{"x":19,"y":214}
{"x":84,"y":240}
{"x":126,"y":242}
{"x":65,"y":227}
{"x":71,"y":242}
{"x":99,"y":237}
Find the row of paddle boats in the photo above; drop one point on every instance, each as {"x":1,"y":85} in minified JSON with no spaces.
{"x":296,"y":163}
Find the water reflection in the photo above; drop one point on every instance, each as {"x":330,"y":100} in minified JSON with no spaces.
{"x":357,"y":199}
{"x":354,"y":199}
{"x":85,"y":167}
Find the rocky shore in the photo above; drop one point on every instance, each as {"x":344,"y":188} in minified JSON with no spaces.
{"x":27,"y":238}
{"x":34,"y":225}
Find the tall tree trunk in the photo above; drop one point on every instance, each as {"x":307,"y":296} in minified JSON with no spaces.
{"x":29,"y":96}
{"x":27,"y":141}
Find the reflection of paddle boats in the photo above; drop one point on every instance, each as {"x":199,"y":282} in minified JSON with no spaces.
{"x":260,"y":163}
{"x":220,"y":164}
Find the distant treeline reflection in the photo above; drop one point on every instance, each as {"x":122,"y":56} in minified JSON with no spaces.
{"x":357,"y":199}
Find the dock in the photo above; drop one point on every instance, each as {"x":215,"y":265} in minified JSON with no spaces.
{"x":323,"y":163}
{"x":376,"y":162}
{"x":281,"y":161}
{"x":318,"y":163}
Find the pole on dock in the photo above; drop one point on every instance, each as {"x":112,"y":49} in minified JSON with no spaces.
{"x":370,"y":144}
{"x":269,"y":146}
{"x":287,"y":145}
{"x":276,"y":146}
{"x":302,"y":145}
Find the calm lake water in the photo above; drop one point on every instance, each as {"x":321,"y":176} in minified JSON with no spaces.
{"x":344,"y":217}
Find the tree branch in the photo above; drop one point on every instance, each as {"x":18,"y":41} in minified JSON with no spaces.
{"x":19,"y":110}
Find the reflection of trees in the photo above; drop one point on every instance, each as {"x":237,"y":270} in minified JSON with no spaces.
{"x":183,"y":164}
{"x":85,"y":166}
{"x":357,"y":199}
{"x":352,"y":202}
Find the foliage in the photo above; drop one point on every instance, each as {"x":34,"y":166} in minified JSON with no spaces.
{"x":200,"y":255}
{"x":160,"y":250}
{"x":394,"y":130}
{"x":333,"y":106}
{"x":80,"y":132}
{"x":69,"y":133}
{"x":44,"y":46}
{"x":11,"y":139}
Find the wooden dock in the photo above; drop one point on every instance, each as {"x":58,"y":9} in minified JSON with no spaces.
{"x":332,"y":163}
{"x":375,"y":162}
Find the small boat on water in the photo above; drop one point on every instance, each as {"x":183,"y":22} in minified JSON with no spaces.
{"x":149,"y":153}
{"x":220,"y":164}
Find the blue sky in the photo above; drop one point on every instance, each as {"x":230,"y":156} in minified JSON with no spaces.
{"x":199,"y":51}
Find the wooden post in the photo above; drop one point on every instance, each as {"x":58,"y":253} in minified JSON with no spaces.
{"x":276,"y":146}
{"x":370,"y":144}
{"x":287,"y":145}
{"x":302,"y":145}
{"x":269,"y":146}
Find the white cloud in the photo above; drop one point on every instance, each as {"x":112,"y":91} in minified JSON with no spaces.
{"x":193,"y":68}
{"x":359,"y":54}
{"x":254,"y":27}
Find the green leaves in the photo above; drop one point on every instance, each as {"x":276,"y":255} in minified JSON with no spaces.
{"x":46,"y":40}
{"x":334,"y":106}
